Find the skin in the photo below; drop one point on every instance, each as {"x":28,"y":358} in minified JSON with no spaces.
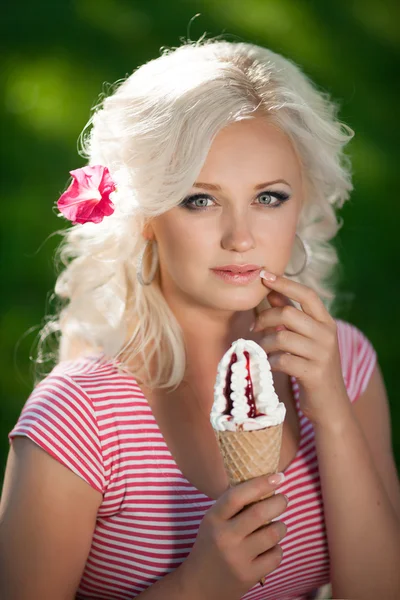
{"x":237,"y":226}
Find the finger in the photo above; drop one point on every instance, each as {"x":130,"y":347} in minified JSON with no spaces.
{"x":292,"y":318}
{"x":278,"y":299}
{"x":308,"y":299}
{"x":294,"y":366}
{"x":236,"y":498}
{"x":265,"y":538}
{"x":288,"y":341}
{"x":259,"y":514}
{"x":267,"y":562}
{"x":275,"y":299}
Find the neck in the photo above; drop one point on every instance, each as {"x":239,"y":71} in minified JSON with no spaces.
{"x":207,"y":339}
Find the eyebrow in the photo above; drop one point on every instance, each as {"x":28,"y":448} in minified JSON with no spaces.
{"x":211,"y":186}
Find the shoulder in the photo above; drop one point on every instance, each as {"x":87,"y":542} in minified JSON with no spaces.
{"x":73,"y":410}
{"x":102,"y":381}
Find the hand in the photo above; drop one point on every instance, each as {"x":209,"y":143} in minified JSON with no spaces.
{"x":235,"y":545}
{"x":306,"y":347}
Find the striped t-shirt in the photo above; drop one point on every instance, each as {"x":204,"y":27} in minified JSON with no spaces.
{"x":96,"y":421}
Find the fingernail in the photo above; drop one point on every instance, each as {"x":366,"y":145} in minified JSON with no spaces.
{"x":280,"y":328}
{"x":276,"y":478}
{"x":252,"y":326}
{"x":267,"y":276}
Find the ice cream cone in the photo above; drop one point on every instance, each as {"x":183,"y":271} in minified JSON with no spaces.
{"x":247,"y":416}
{"x":248,"y":454}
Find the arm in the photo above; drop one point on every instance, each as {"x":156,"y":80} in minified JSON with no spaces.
{"x":361,"y":496}
{"x":47,"y":519}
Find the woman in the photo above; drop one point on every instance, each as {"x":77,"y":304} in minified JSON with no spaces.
{"x":216,"y":155}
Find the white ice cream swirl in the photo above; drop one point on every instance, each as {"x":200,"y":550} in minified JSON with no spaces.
{"x":270,"y":411}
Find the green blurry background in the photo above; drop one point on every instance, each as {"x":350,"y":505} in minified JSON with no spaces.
{"x":57,"y":57}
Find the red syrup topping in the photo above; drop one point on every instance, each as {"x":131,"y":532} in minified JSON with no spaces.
{"x":228,"y":389}
{"x":248,"y":389}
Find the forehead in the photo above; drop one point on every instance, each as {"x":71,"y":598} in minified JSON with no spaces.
{"x":252,"y":148}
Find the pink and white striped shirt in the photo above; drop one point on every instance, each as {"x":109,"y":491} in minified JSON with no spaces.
{"x":97,"y":422}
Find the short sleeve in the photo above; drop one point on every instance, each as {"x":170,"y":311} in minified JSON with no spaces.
{"x":60,"y":418}
{"x":358,"y":358}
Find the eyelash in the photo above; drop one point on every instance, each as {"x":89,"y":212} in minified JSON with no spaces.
{"x":186,"y":202}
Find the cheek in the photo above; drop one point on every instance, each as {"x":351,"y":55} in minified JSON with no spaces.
{"x":277,"y":240}
{"x":183,"y":247}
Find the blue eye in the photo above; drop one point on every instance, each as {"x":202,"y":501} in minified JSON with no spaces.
{"x":189,"y":201}
{"x":281,"y":196}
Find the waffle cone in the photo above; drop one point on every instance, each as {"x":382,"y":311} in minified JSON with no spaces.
{"x":248,"y":454}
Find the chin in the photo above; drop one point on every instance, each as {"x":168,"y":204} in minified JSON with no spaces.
{"x":246,"y":302}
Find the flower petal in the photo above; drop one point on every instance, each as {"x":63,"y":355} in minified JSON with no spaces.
{"x":88,"y":196}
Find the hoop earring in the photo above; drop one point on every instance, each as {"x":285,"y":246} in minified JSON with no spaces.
{"x":154,"y":263}
{"x":308,"y":254}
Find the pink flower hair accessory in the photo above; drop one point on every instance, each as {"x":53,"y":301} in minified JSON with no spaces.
{"x":87,"y":199}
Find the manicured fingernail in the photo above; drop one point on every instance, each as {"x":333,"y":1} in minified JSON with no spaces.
{"x":252,"y":326}
{"x":276,"y":478}
{"x":267,"y":276}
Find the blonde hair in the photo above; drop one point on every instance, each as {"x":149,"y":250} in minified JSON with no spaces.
{"x":153,"y":132}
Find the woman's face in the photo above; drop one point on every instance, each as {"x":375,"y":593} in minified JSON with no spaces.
{"x":236,"y":218}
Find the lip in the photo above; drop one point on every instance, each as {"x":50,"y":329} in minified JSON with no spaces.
{"x":238,"y":268}
{"x":240,"y":278}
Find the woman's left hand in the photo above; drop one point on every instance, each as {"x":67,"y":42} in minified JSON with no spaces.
{"x":306,"y":348}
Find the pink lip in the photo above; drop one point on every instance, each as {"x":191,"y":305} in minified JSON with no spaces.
{"x":242,"y":278}
{"x":238,"y":268}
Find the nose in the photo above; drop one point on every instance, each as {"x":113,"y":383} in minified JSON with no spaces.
{"x":237,"y":234}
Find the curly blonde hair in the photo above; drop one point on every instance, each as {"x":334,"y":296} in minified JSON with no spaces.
{"x":153,"y":132}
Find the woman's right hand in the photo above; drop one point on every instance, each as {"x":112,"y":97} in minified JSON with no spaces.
{"x":231,"y":553}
